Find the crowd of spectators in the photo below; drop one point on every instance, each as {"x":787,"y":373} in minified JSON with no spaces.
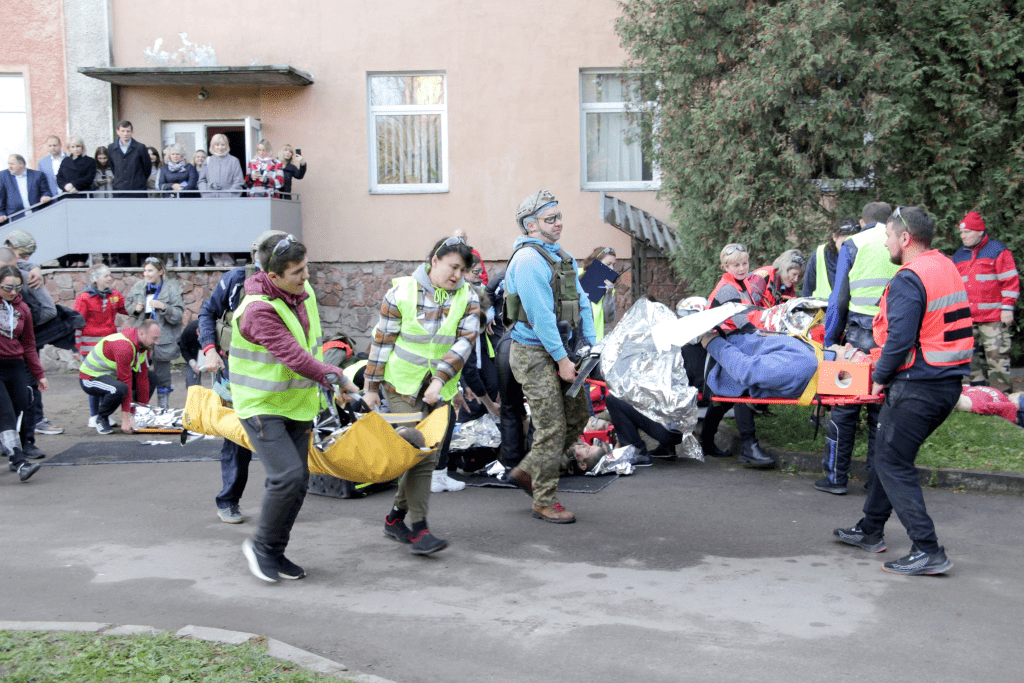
{"x":128,"y":169}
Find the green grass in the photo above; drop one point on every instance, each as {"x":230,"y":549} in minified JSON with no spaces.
{"x":61,"y":657}
{"x":964,"y":441}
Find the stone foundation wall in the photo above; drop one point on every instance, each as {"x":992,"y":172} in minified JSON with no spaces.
{"x":349,"y":294}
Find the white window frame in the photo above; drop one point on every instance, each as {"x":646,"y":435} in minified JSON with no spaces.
{"x":610,"y":108}
{"x":371,"y":132}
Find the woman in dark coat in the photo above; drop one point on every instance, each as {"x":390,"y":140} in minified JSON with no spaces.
{"x":178,"y":174}
{"x":76,"y":174}
{"x":294,"y":167}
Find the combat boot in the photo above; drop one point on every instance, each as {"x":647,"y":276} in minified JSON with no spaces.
{"x":554,"y":513}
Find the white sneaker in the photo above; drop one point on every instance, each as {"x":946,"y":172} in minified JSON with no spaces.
{"x":92,"y":422}
{"x":440,"y":481}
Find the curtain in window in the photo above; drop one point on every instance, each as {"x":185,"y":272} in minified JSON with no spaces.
{"x":409,"y":149}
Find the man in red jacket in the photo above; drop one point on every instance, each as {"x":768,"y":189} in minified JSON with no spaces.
{"x":118,"y":372}
{"x":990,"y":277}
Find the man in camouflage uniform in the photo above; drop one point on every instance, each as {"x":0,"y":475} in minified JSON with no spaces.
{"x":993,"y":286}
{"x":542,"y":290}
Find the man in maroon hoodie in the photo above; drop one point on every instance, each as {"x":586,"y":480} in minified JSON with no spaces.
{"x":117,"y":371}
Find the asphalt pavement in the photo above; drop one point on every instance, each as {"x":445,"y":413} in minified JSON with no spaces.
{"x":683,"y":571}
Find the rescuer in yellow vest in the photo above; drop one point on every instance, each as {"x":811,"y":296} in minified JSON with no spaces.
{"x":428,"y":324}
{"x":862,"y":273}
{"x":821,"y":268}
{"x":277,"y":370}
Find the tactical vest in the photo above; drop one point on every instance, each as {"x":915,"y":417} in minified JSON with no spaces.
{"x":822,"y":288}
{"x":563,"y":287}
{"x":870,"y":271}
{"x":946,"y":337}
{"x":416,"y":351}
{"x":97,"y":363}
{"x":263,"y":385}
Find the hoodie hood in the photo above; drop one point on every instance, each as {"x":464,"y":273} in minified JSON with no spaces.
{"x":423,"y":277}
{"x":261,"y":285}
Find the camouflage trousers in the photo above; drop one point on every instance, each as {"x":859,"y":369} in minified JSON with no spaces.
{"x":558,"y":420}
{"x":990,"y":363}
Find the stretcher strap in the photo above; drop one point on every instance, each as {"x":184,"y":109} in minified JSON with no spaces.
{"x":812,"y":386}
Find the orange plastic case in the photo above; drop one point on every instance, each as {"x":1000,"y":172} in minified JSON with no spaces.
{"x":842,"y":378}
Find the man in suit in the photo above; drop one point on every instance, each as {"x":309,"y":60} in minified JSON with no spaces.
{"x":50,"y":164}
{"x":130,"y":161}
{"x":20,"y":188}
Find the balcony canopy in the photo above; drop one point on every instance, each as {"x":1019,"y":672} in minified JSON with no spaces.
{"x":263,"y":76}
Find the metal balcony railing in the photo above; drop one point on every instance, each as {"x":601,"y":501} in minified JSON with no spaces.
{"x":134,"y":222}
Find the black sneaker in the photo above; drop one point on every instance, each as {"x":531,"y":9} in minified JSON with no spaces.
{"x":855,"y":536}
{"x":32,"y":452}
{"x":643,"y":460}
{"x":424,"y":543}
{"x":261,"y":565}
{"x":825,"y":485}
{"x":286,"y":569}
{"x":103,"y":425}
{"x":397,"y":530}
{"x":918,"y":562}
{"x":26,"y":470}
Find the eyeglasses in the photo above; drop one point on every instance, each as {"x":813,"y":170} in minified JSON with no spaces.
{"x":287,"y":241}
{"x":733,"y":249}
{"x":477,"y":271}
{"x":11,"y":288}
{"x":553,"y":218}
{"x":450,"y":242}
{"x":897,"y":214}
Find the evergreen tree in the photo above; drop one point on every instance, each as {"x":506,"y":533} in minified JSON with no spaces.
{"x":765,"y":108}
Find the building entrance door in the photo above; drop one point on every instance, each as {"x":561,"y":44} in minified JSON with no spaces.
{"x":193,"y":135}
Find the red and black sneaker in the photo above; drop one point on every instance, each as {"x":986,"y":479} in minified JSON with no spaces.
{"x":424,"y":543}
{"x":397,"y":530}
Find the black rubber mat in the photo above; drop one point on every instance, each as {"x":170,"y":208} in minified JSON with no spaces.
{"x":566,"y":483}
{"x":118,"y":451}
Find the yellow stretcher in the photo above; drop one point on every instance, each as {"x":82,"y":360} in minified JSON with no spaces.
{"x":369,"y":451}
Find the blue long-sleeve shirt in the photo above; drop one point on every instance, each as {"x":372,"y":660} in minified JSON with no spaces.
{"x":773,"y":365}
{"x":529,"y":276}
{"x":905,"y":304}
{"x":225,"y":297}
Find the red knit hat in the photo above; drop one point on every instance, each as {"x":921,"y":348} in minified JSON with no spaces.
{"x":972,"y":221}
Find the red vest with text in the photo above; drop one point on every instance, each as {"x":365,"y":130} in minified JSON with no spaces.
{"x":739,"y":320}
{"x":945,"y":337}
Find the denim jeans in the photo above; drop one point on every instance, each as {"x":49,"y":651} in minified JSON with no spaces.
{"x":283,"y":447}
{"x":234,"y":472}
{"x":911,"y":412}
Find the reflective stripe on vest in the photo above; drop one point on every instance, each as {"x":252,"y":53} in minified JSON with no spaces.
{"x":97,"y":363}
{"x":945,"y":337}
{"x":261,"y":384}
{"x":870,"y":271}
{"x":822,"y":288}
{"x":416,"y":351}
{"x":350,"y":371}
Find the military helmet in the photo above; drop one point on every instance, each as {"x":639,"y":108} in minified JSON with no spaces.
{"x":21,"y":240}
{"x":531,"y":205}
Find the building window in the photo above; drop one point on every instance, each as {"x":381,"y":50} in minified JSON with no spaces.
{"x":13,"y":117}
{"x":613,"y":155}
{"x":408,"y":131}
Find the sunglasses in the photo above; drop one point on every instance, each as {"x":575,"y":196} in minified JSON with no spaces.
{"x":11,"y":288}
{"x":283,"y":245}
{"x":607,"y":250}
{"x":153,"y":260}
{"x":897,"y":214}
{"x":733,"y":249}
{"x":799,"y":260}
{"x":450,"y":242}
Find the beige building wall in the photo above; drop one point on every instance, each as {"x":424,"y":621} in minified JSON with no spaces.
{"x":513,"y":76}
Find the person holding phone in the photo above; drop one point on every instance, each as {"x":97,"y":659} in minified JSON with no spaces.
{"x":264,"y":174}
{"x":294,"y":166}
